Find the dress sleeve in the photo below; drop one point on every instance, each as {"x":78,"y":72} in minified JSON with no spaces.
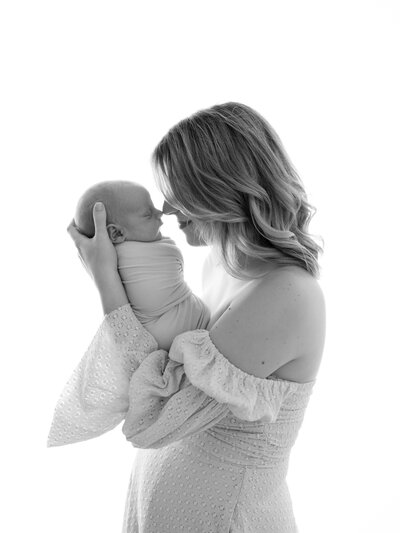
{"x":95,"y":398}
{"x":162,"y":397}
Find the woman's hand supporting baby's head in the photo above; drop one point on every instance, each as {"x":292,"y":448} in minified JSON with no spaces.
{"x":97,"y":254}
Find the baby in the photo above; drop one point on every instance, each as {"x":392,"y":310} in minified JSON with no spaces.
{"x":150,"y":265}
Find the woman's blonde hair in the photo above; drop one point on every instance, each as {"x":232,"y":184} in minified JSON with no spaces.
{"x":225,"y":167}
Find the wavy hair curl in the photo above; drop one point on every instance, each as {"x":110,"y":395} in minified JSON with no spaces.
{"x":226,"y":168}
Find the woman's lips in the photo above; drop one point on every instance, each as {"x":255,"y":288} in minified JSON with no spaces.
{"x":184,"y":223}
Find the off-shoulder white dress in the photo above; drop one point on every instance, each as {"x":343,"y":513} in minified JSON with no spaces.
{"x":214,"y":441}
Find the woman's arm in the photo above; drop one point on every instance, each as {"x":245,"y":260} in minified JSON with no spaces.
{"x":112,"y":292}
{"x":99,"y":257}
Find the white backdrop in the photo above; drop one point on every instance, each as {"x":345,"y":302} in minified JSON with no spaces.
{"x":88,"y":88}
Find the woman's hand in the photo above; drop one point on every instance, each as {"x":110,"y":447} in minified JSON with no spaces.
{"x":97,"y":254}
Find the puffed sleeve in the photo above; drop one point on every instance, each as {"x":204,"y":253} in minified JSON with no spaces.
{"x":162,"y":397}
{"x":193,"y":389}
{"x":95,"y":398}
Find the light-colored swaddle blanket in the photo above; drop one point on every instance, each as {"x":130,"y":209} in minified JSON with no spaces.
{"x":152,"y":274}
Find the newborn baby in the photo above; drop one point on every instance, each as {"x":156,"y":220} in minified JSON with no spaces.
{"x":150,"y":265}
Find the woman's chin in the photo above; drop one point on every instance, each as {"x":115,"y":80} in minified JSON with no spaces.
{"x":193,"y":240}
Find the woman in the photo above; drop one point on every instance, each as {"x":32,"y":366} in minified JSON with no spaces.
{"x":216,"y":418}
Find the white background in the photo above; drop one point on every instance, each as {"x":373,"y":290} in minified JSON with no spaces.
{"x":88,"y":88}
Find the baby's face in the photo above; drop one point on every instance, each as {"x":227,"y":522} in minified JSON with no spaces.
{"x":131,"y":214}
{"x":140,"y":219}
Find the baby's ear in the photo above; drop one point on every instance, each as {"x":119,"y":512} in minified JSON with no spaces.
{"x":116,"y":233}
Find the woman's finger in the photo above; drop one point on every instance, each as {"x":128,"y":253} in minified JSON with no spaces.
{"x":99,"y":219}
{"x":74,"y":233}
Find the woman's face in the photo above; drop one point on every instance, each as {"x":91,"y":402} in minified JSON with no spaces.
{"x":185,"y":224}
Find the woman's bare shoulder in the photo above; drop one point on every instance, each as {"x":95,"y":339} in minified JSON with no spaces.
{"x":290,"y":286}
{"x":291,"y":276}
{"x":274,"y":323}
{"x":308,"y":299}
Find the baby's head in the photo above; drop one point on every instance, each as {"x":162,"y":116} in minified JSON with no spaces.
{"x":131,"y":215}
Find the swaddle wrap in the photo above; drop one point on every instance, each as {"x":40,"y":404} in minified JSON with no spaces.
{"x":152,"y":274}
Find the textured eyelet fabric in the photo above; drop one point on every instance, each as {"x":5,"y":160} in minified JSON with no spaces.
{"x":214,"y":442}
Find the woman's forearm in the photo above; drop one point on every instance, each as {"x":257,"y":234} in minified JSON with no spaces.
{"x":112,"y":292}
